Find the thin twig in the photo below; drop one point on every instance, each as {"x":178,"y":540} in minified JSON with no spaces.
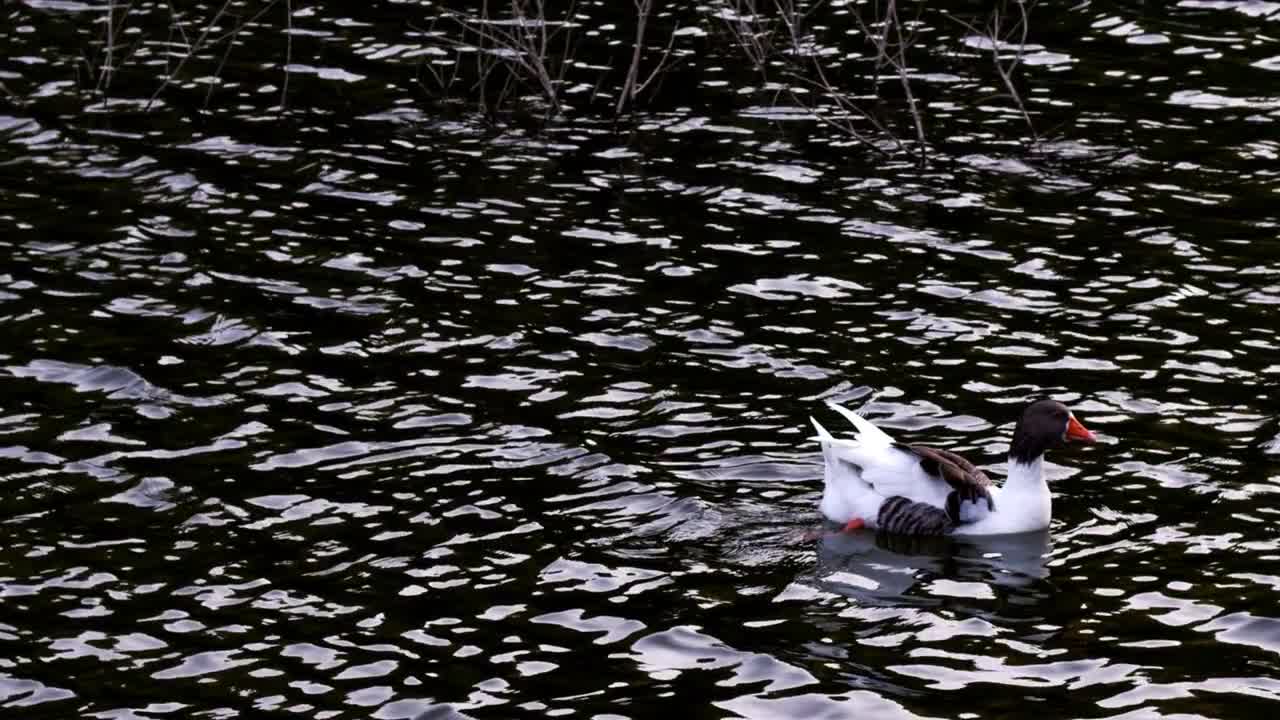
{"x":12,"y":96}
{"x":523,"y":48}
{"x":1006,"y":74}
{"x":847,"y":127}
{"x":107,"y":70}
{"x":111,"y":43}
{"x":643,"y":8}
{"x":176,"y":20}
{"x":566,"y":55}
{"x":538,"y":55}
{"x":992,"y":35}
{"x":794,"y":21}
{"x":457,"y":69}
{"x":217,"y":74}
{"x":288,"y":51}
{"x":107,"y":73}
{"x":236,"y":30}
{"x":906,"y":80}
{"x":194,"y":49}
{"x":846,"y":106}
{"x":662,"y":61}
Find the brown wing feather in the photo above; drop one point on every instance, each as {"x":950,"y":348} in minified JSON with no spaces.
{"x":965,"y":479}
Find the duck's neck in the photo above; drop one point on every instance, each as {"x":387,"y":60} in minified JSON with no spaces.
{"x":1025,"y":498}
{"x":1026,"y":477}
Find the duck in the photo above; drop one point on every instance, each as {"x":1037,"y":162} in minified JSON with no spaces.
{"x":873,"y":481}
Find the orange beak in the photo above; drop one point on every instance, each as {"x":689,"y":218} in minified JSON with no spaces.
{"x":1076,"y":431}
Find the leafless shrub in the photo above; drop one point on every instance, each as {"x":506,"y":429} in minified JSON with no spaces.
{"x":288,"y":51}
{"x":102,"y":65}
{"x":781,"y":41}
{"x":10,"y":95}
{"x":503,"y":50}
{"x":207,"y":40}
{"x":225,"y":26}
{"x":1005,"y":35}
{"x":633,"y":86}
{"x":523,"y":47}
{"x":778,"y":39}
{"x":534,"y":49}
{"x":891,"y":50}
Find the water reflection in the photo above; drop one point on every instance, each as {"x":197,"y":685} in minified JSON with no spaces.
{"x":882,"y":569}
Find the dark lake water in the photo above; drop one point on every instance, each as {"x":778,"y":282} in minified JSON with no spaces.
{"x":374,"y":404}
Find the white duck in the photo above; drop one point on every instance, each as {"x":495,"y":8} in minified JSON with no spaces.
{"x":874,"y":481}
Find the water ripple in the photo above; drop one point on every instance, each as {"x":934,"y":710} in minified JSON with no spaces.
{"x":351,"y":398}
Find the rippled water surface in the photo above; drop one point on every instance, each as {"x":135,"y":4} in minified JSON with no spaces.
{"x":367,"y":405}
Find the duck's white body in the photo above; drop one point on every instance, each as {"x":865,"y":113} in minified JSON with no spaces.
{"x":865,"y":475}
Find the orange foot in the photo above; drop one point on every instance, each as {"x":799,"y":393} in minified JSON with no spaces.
{"x":816,"y":533}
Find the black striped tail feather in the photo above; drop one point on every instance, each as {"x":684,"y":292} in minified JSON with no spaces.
{"x":900,"y":515}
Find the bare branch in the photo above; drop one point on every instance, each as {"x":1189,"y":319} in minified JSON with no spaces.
{"x":643,"y":8}
{"x":111,"y":43}
{"x":1006,"y":73}
{"x":806,"y":68}
{"x":288,"y":51}
{"x":997,"y":38}
{"x":217,"y":74}
{"x":525,"y":49}
{"x":906,"y":80}
{"x":663,"y":63}
{"x":192,"y":51}
{"x":107,"y":70}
